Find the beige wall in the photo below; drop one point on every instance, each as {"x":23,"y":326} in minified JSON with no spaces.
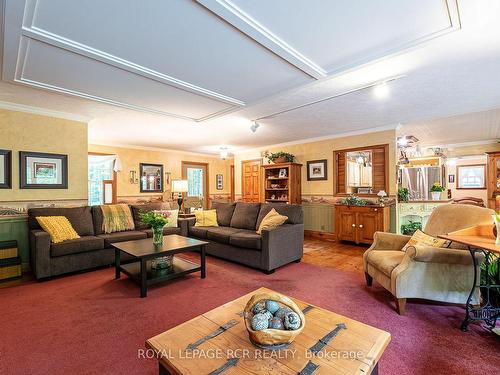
{"x":171,"y":161}
{"x":21,"y":131}
{"x":324,"y":150}
{"x":461,"y":193}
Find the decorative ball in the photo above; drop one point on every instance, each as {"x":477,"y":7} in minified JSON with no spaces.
{"x":276,"y":323}
{"x":291,"y":321}
{"x":267,"y":313}
{"x":281,"y":312}
{"x":259,"y":306}
{"x":272,"y":306}
{"x":260,"y":322}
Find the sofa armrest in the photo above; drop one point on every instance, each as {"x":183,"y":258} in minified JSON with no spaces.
{"x":40,"y":253}
{"x":388,"y":241}
{"x":282,"y":245}
{"x":429,"y":254}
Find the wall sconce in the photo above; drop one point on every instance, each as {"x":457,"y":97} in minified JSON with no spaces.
{"x":167,"y":178}
{"x":133,"y":177}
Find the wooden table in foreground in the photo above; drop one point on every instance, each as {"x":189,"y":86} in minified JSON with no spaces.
{"x":217,"y":343}
{"x":478,"y":239}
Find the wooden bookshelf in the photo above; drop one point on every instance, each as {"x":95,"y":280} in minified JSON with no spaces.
{"x":282,"y":183}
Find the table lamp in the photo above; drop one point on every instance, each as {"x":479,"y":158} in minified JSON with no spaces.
{"x":179,"y":187}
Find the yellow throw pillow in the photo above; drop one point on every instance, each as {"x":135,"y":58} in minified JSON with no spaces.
{"x":271,"y":221}
{"x":58,"y":227}
{"x":206,"y":218}
{"x":419,"y":238}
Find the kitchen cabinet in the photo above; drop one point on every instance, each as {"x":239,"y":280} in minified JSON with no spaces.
{"x":359,"y":223}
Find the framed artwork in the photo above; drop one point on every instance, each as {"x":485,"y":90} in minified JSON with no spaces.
{"x":151,"y":178}
{"x":39,"y":170}
{"x":451,"y":178}
{"x":5,"y":169}
{"x":471,"y":176}
{"x":282,"y":173}
{"x":316,"y":170}
{"x":219,"y":182}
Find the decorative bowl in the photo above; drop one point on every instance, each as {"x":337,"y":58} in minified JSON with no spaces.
{"x":272,"y":338}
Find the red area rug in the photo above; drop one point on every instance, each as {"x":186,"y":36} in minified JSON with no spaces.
{"x":92,"y":324}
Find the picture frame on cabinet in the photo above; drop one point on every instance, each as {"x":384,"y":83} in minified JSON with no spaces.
{"x":5,"y":169}
{"x":39,"y":170}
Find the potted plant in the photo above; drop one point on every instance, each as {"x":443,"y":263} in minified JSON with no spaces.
{"x":280,"y":157}
{"x":403,"y":194}
{"x":156,"y":220}
{"x":436,"y":190}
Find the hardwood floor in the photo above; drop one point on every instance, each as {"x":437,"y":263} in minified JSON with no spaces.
{"x":338,"y":255}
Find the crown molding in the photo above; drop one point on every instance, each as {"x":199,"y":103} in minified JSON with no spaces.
{"x":43,"y":112}
{"x":322,"y":138}
{"x":149,"y":148}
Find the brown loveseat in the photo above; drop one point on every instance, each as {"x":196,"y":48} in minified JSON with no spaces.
{"x":235,"y":238}
{"x":93,"y":248}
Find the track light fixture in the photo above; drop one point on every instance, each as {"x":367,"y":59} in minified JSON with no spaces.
{"x":254,"y":126}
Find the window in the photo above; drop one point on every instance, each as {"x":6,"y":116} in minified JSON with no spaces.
{"x":195,"y":182}
{"x":100,"y":169}
{"x":471,"y":176}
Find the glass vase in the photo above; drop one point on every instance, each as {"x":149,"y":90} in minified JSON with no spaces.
{"x":158,"y":236}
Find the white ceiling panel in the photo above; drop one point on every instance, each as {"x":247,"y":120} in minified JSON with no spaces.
{"x":177,"y":38}
{"x":340,"y":34}
{"x":68,"y":72}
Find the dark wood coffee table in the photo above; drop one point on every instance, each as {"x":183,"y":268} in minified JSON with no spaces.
{"x":144,"y":251}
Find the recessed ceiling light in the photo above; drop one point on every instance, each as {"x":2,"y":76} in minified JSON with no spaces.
{"x":381,"y":90}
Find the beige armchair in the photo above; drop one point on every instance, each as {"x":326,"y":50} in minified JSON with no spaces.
{"x":438,"y":274}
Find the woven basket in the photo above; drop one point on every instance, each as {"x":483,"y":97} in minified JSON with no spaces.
{"x":272,"y":338}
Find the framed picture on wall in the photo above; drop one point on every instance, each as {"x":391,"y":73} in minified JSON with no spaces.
{"x":451,"y":178}
{"x":5,"y":169}
{"x":316,"y":170}
{"x":471,"y":176}
{"x":39,"y":170}
{"x":151,"y":178}
{"x":219,"y":182}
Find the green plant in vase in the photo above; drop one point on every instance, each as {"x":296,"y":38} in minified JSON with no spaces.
{"x":436,"y":190}
{"x":157,"y":221}
{"x":280,"y":157}
{"x":403,"y":194}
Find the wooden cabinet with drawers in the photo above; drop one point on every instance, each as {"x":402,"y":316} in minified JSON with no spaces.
{"x":359,"y":223}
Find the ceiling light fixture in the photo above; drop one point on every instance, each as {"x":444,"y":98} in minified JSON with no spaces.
{"x":381,"y":91}
{"x":254,"y":126}
{"x":407,"y":141}
{"x":223,"y":152}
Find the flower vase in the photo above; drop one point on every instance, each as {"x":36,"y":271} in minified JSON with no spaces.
{"x":158,"y":235}
{"x":436,"y":195}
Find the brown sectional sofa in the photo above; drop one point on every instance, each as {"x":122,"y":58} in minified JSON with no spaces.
{"x":93,"y":248}
{"x":235,"y":238}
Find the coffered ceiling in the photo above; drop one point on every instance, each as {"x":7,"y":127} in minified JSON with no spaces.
{"x":192,"y":75}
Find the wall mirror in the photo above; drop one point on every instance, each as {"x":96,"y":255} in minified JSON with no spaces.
{"x":361,"y":171}
{"x":151,"y":178}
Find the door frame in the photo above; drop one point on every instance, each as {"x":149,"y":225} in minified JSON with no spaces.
{"x":207,"y":203}
{"x":115,"y":177}
{"x":231,"y":180}
{"x":261,"y":188}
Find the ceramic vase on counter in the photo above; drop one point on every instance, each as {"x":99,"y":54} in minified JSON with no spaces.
{"x":436,"y":195}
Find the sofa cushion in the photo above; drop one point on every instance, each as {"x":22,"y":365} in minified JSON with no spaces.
{"x":166,"y":231}
{"x":78,"y":245}
{"x":247,"y":239}
{"x":128,"y":235}
{"x":245,"y":215}
{"x":137,"y":209}
{"x":292,"y":211}
{"x":385,"y":261}
{"x":79,"y":217}
{"x":58,"y":227}
{"x":224,"y":212}
{"x":221,"y":234}
{"x":199,"y":232}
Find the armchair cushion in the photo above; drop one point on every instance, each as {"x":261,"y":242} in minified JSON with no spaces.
{"x":385,"y":261}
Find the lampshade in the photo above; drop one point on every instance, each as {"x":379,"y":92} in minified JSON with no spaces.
{"x":179,"y":186}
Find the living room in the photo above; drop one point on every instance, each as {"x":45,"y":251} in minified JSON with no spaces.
{"x":204,"y":187}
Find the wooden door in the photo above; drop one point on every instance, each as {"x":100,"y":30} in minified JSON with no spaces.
{"x":346,"y":225}
{"x":367,"y":224}
{"x":251,"y":180}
